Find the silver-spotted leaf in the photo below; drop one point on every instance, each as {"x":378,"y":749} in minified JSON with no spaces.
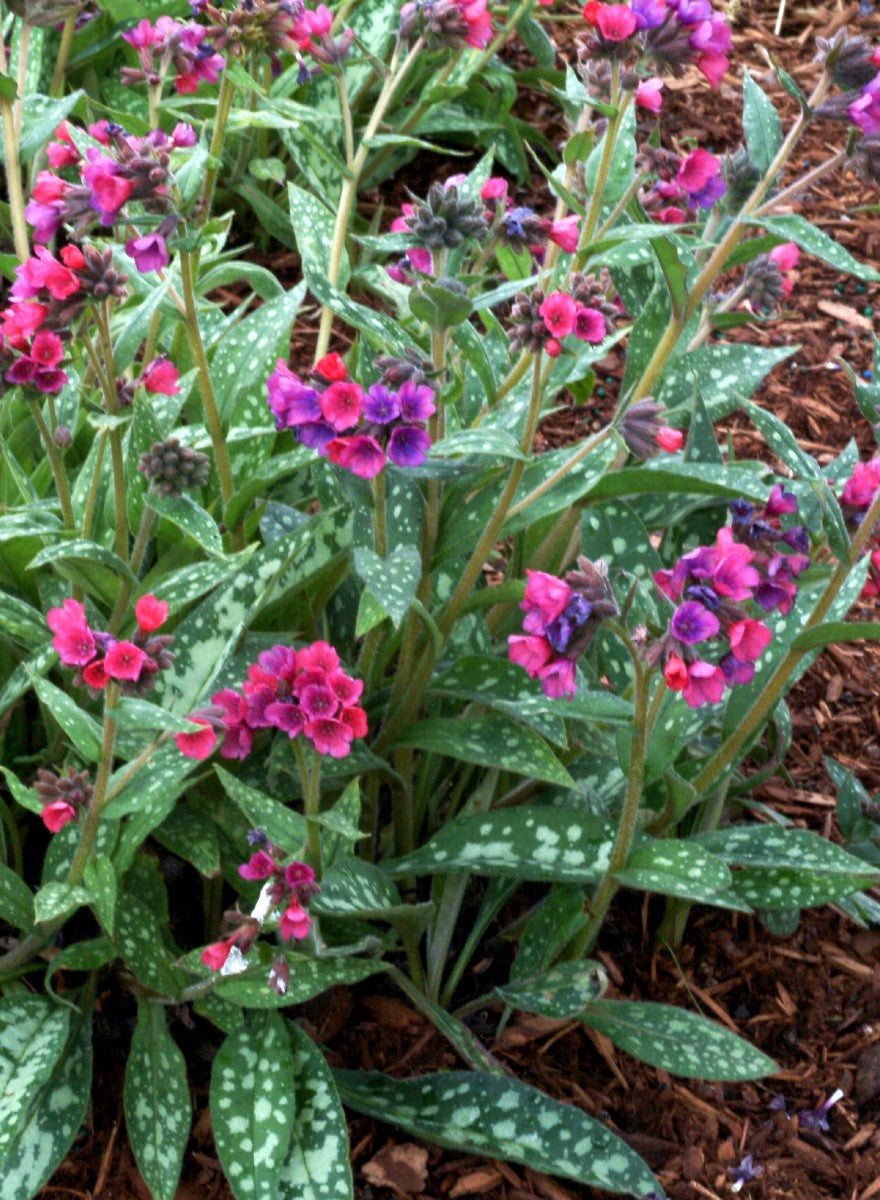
{"x":33,"y":1032}
{"x":563,"y":991}
{"x":157,"y":1102}
{"x":309,"y":977}
{"x":679,"y":869}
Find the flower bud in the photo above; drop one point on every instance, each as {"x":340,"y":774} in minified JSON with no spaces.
{"x":850,"y":59}
{"x":446,"y":218}
{"x":173,"y":469}
{"x":763,"y":284}
{"x":62,"y":437}
{"x":741,"y":176}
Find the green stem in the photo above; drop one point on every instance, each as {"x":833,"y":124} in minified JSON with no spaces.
{"x":102,"y":319}
{"x":579,"y":455}
{"x":91,"y":498}
{"x":591,"y":220}
{"x":57,"y":86}
{"x":139,"y":549}
{"x":13,"y":181}
{"x":585,"y":940}
{"x":212,"y":415}
{"x":311,"y":785}
{"x":380,"y":529}
{"x":57,"y":464}
{"x":224,"y":107}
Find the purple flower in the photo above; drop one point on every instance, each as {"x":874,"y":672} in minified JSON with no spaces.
{"x":408,"y":445}
{"x":649,"y":14}
{"x":817,"y":1118}
{"x":692,"y":11}
{"x":291,"y":401}
{"x":706,"y":196}
{"x":416,"y":401}
{"x":865,"y":111}
{"x":780,"y":502}
{"x":747,"y":1170}
{"x":183,"y":136}
{"x":45,"y":218}
{"x":317,"y":435}
{"x":149,"y":253}
{"x":736,"y":671}
{"x":691,"y":623}
{"x":381,"y":405}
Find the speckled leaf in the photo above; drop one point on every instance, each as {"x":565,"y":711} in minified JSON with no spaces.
{"x":140,"y":939}
{"x":253,"y":1105}
{"x":149,"y":798}
{"x":16,"y":900}
{"x":500,"y":1118}
{"x":794,"y":228}
{"x":25,"y":796}
{"x":392,"y":580}
{"x":489,"y":741}
{"x":190,"y":518}
{"x":313,"y":225}
{"x":33,"y":1032}
{"x":309,"y":977}
{"x":339,"y":842}
{"x":678,"y":869}
{"x":563,"y":991}
{"x":53,"y":1119}
{"x":30,"y":522}
{"x":677,"y":1040}
{"x":356,"y":886}
{"x":83,"y":731}
{"x":191,"y":836}
{"x":754,"y":845}
{"x":553,"y":844}
{"x":180,"y":588}
{"x":662,"y":476}
{"x":157,"y":1103}
{"x":782,"y":441}
{"x":21,"y":623}
{"x":245,"y":354}
{"x":80,"y":550}
{"x":317,"y":1165}
{"x":21,"y":678}
{"x":100,"y":879}
{"x":761,"y":124}
{"x":57,"y":899}
{"x":791,"y":887}
{"x":557,"y":919}
{"x":282,"y":825}
{"x":134,"y":713}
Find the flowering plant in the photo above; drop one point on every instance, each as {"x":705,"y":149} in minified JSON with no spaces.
{"x":295,"y":608}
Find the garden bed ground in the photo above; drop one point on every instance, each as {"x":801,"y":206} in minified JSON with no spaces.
{"x":812,"y":1001}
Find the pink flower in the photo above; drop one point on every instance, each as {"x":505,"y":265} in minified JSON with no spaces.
{"x":295,"y":922}
{"x":73,"y":639}
{"x":329,"y":736}
{"x":109,"y":190}
{"x":589,"y":325}
{"x":559,"y":311}
{"x":320,"y":656}
{"x":546,"y":594}
{"x":675,"y":673}
{"x":565,"y":234}
{"x":648,"y":94}
{"x":529,"y":651}
{"x":47,"y":349}
{"x":149,"y":252}
{"x":705,"y":684}
{"x":215,"y":955}
{"x":332,"y":367}
{"x":198,"y":745}
{"x":161,"y":377}
{"x":787,"y":256}
{"x":356,"y":719}
{"x":95,"y":675}
{"x":713,"y":67}
{"x":669,"y":439}
{"x":558,"y":679}
{"x":362,"y":455}
{"x":615,"y":22}
{"x":749,"y":639}
{"x":861,"y":488}
{"x":124,"y":660}
{"x":731,"y":574}
{"x":150,"y":613}
{"x":259,"y":866}
{"x":183,"y":136}
{"x":552,"y":348}
{"x":672,"y":215}
{"x":697,"y":170}
{"x":56,"y":815}
{"x":495,"y":188}
{"x":478,"y":21}
{"x":342,"y":404}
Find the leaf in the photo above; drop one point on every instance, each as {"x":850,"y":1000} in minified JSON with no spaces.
{"x":317,"y":1164}
{"x":563,"y":991}
{"x":795,"y":228}
{"x":833,"y":632}
{"x":190,"y":518}
{"x":677,"y":1040}
{"x":33,"y":1033}
{"x":761,"y":123}
{"x":83,"y":731}
{"x":753,"y":845}
{"x":16,"y":900}
{"x":392,"y":580}
{"x":313,"y":224}
{"x":726,"y":371}
{"x":489,"y":741}
{"x":689,"y":478}
{"x":553,"y":844}
{"x":675,"y":272}
{"x":556,"y":920}
{"x":134,"y":713}
{"x":81,"y":550}
{"x":502,"y":1118}
{"x":21,"y":623}
{"x":157,"y":1102}
{"x":191,"y":836}
{"x":534,"y":37}
{"x":782,"y":441}
{"x":41,"y":116}
{"x":56,"y":899}
{"x":678,"y":869}
{"x":140,"y":939}
{"x":283,"y":826}
{"x":355,"y":886}
{"x":52,"y":1120}
{"x":100,"y":879}
{"x":24,"y":796}
{"x":309,"y":977}
{"x":788,"y":888}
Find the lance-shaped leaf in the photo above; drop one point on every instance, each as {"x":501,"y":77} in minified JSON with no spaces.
{"x":33,"y":1033}
{"x":309,"y":977}
{"x":792,"y":227}
{"x":52,"y":1119}
{"x":16,"y":899}
{"x":21,"y":623}
{"x":317,"y":1164}
{"x":563,"y":991}
{"x":556,"y":920}
{"x":774,"y":888}
{"x":83,"y":731}
{"x":752,"y":845}
{"x":157,"y":1103}
{"x":679,"y":869}
{"x":677,"y":1040}
{"x":489,"y":741}
{"x":139,"y":938}
{"x":253,"y":1105}
{"x":553,"y":844}
{"x":190,"y":518}
{"x":283,"y":826}
{"x":392,"y":580}
{"x":761,"y":124}
{"x":501,"y":1118}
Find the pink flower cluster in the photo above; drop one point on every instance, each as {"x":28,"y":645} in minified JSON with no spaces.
{"x":100,"y":657}
{"x":355,"y":428}
{"x":562,"y":315}
{"x":178,"y":46}
{"x":44,"y":289}
{"x":297,"y":691}
{"x":713,"y":588}
{"x":447,"y":22}
{"x":288,"y":891}
{"x":666,"y":33}
{"x":856,"y":498}
{"x":695,"y":181}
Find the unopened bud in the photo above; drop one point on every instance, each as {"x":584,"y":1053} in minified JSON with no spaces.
{"x":62,"y":437}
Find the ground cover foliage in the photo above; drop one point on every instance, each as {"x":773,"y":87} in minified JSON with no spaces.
{"x":325,"y":638}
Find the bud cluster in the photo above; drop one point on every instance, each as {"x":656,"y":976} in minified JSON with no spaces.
{"x":173,"y":469}
{"x":62,"y":795}
{"x":449,"y":23}
{"x":101,"y":658}
{"x":541,"y":322}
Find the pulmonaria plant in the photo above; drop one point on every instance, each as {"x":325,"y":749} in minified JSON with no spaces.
{"x":357,"y":429}
{"x":299,"y":692}
{"x":857,"y":496}
{"x":715,"y":589}
{"x":101,"y":658}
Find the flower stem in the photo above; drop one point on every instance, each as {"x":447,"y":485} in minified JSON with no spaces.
{"x":57,"y":85}
{"x":224,"y":107}
{"x":13,"y":181}
{"x":610,"y":145}
{"x":311,"y":785}
{"x":57,"y":464}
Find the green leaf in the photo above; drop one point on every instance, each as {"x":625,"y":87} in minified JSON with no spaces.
{"x":83,"y":731}
{"x":782,"y":441}
{"x":317,"y":1164}
{"x":556,"y":920}
{"x":157,"y":1102}
{"x":134,"y":713}
{"x":100,"y":879}
{"x":52,"y":1120}
{"x":24,"y":796}
{"x":191,"y":836}
{"x":56,"y":899}
{"x":33,"y":1033}
{"x":761,"y":123}
{"x":795,"y":228}
{"x":190,"y":518}
{"x":41,"y":116}
{"x":675,"y":272}
{"x":677,"y":1040}
{"x":534,"y":38}
{"x":354,"y":886}
{"x":501,"y":1118}
{"x":16,"y":899}
{"x":552,"y":844}
{"x":563,"y":991}
{"x":313,"y":224}
{"x":833,"y":632}
{"x":489,"y":741}
{"x":283,"y":826}
{"x":253,"y":1105}
{"x":678,"y":869}
{"x":392,"y":580}
{"x":21,"y":623}
{"x":658,"y":478}
{"x":726,"y":371}
{"x":140,"y":939}
{"x":309,"y":977}
{"x":79,"y":550}
{"x":753,"y":845}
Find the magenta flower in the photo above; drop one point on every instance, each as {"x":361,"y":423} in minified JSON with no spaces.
{"x":545,"y":599}
{"x":692,"y":623}
{"x":57,"y":814}
{"x":565,"y":234}
{"x":73,"y":639}
{"x":648,"y":94}
{"x":615,"y":22}
{"x":416,"y":401}
{"x":361,"y":454}
{"x":295,"y":923}
{"x":589,"y":324}
{"x":705,"y":684}
{"x":748,"y":640}
{"x":529,"y":651}
{"x":341,"y":404}
{"x":495,"y":188}
{"x":124,"y":660}
{"x":259,"y":866}
{"x":198,"y":745}
{"x":330,"y":736}
{"x":558,"y":679}
{"x":149,"y":253}
{"x":161,"y":377}
{"x":559,"y":312}
{"x":150,"y":613}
